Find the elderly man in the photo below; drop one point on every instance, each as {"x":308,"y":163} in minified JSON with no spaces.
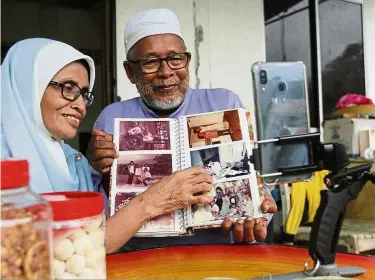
{"x":157,"y":62}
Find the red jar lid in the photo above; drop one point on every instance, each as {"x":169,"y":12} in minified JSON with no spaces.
{"x":75,"y":205}
{"x":14,"y":174}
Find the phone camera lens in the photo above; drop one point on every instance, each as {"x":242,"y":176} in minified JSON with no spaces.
{"x":263,"y":77}
{"x":282,"y":86}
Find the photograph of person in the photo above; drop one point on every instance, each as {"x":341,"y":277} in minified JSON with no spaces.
{"x":214,"y":128}
{"x":142,"y":170}
{"x":226,"y":161}
{"x":144,"y":135}
{"x":231,"y":198}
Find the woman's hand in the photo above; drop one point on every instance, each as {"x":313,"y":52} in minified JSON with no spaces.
{"x":177,"y":191}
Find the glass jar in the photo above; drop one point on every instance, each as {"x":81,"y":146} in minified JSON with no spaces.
{"x":26,"y":226}
{"x":78,"y":235}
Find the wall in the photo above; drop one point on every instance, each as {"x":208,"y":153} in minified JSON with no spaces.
{"x":222,"y":57}
{"x":77,"y":27}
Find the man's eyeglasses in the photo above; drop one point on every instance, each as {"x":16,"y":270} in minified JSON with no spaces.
{"x":149,"y":65}
{"x":71,"y":92}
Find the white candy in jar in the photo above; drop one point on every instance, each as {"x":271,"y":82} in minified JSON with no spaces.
{"x":64,"y":249}
{"x":97,"y":238}
{"x":79,"y":252}
{"x":67,"y":275}
{"x":83,"y":246}
{"x":94,"y":260}
{"x":93,"y":225}
{"x":87,"y":273}
{"x":77,"y":234}
{"x":75,"y":264}
{"x":58,"y":268}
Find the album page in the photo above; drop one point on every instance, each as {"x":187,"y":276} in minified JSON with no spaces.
{"x":147,"y":153}
{"x":222,"y":142}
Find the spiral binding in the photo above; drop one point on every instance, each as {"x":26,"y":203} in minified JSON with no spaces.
{"x":180,"y":144}
{"x":181,"y":164}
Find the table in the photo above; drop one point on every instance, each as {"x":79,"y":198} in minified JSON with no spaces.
{"x":236,"y":261}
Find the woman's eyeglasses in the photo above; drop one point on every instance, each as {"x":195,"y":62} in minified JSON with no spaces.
{"x":71,"y":92}
{"x":149,"y":65}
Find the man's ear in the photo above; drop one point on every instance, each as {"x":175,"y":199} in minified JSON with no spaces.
{"x":129,"y":72}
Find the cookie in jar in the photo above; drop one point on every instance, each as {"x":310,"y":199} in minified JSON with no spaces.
{"x":78,"y":235}
{"x":26,"y":226}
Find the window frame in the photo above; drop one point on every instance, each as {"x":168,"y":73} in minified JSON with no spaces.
{"x":316,"y":53}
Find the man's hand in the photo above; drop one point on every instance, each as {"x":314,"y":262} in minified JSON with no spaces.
{"x":101,"y":151}
{"x":177,"y":191}
{"x":250,"y":230}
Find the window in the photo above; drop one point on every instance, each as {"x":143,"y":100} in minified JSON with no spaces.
{"x":287,"y":28}
{"x":341,"y":49}
{"x":290,"y":28}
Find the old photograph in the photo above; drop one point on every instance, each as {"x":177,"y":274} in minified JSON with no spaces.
{"x":250,"y":126}
{"x":142,"y":170}
{"x":214,"y":128}
{"x":160,"y":223}
{"x":163,"y":222}
{"x":226,"y":161}
{"x":144,"y":135}
{"x":230,"y":198}
{"x":122,"y":199}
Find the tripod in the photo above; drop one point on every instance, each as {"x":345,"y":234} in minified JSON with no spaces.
{"x":344,"y":184}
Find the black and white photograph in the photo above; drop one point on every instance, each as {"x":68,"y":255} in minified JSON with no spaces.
{"x":232,"y":198}
{"x":142,"y":170}
{"x":226,"y":161}
{"x":144,"y":135}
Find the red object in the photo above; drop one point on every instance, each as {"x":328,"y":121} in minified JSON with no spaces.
{"x":14,"y":174}
{"x":77,"y":205}
{"x":353,"y":99}
{"x":231,"y":261}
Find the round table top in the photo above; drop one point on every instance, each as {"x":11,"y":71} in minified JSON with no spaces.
{"x":231,"y":261}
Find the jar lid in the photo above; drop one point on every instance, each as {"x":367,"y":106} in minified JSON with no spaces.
{"x":75,"y":205}
{"x":14,"y":174}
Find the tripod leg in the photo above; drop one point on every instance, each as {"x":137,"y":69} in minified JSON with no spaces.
{"x":334,"y":270}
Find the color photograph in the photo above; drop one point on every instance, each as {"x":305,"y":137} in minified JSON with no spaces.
{"x":214,"y":128}
{"x":230,"y":198}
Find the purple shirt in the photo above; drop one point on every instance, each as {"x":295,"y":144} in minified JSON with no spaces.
{"x":196,"y":101}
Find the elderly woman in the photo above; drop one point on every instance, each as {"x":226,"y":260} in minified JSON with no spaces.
{"x":45,"y":89}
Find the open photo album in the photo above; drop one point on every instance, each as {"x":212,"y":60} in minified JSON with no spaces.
{"x":221,"y":142}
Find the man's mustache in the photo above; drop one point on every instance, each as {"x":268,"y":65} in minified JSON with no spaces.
{"x":166,"y":83}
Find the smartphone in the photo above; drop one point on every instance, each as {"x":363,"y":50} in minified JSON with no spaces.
{"x":281,"y":109}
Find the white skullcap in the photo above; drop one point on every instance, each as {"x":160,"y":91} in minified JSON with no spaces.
{"x":150,"y":22}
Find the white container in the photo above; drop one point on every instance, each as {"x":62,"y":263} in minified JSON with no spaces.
{"x":78,"y":235}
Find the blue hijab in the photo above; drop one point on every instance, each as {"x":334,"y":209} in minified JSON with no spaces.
{"x":25,"y":73}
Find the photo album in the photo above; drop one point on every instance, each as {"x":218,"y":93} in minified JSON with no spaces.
{"x":220,"y":142}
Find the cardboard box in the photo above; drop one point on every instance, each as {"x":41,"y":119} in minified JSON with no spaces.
{"x":346,"y":131}
{"x":366,"y":140}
